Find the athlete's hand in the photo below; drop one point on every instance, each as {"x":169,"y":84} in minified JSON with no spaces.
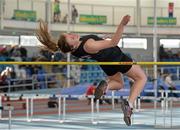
{"x":125,"y":20}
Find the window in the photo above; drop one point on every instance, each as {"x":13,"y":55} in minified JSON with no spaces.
{"x":29,"y":41}
{"x":170,"y":43}
{"x":138,"y":43}
{"x":9,"y":40}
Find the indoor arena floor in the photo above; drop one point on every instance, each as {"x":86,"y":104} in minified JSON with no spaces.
{"x":106,"y":121}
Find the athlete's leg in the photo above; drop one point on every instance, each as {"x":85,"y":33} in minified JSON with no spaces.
{"x":115,"y":82}
{"x":139,"y":77}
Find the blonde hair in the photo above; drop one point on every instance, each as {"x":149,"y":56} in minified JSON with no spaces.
{"x":46,"y":39}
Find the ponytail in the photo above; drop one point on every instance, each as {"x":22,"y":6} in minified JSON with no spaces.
{"x":45,"y":38}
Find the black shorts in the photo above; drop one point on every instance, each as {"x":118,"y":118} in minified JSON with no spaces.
{"x":110,"y":70}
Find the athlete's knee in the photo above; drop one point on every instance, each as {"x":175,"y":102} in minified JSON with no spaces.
{"x":144,"y":77}
{"x":137,"y":74}
{"x":121,"y":85}
{"x":116,"y":84}
{"x":141,"y":76}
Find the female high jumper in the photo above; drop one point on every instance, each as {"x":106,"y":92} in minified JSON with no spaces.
{"x":101,"y":50}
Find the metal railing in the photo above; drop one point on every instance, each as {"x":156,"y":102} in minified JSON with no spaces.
{"x":34,"y":83}
{"x":51,"y":80}
{"x":113,"y":10}
{"x":59,"y":80}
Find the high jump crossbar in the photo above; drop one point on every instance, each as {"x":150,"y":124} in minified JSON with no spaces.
{"x":90,"y":63}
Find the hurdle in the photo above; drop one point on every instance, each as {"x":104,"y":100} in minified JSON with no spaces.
{"x":61,"y":106}
{"x":94,"y":108}
{"x":29,"y":98}
{"x":94,"y":119}
{"x":9,"y":109}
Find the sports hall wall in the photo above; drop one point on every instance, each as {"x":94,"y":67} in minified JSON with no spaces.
{"x":100,"y":7}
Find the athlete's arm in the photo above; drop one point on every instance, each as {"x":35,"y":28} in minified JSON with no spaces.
{"x":118,"y":34}
{"x":92,"y":46}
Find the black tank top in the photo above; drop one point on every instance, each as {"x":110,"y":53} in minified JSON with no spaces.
{"x":108,"y":54}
